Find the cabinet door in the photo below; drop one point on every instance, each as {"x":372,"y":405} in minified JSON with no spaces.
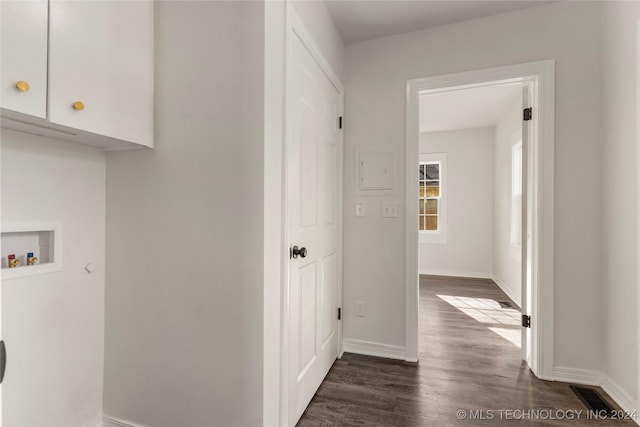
{"x":23,"y":55}
{"x":101,"y":55}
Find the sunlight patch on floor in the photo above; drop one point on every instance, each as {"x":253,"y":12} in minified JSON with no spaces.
{"x":483,"y":310}
{"x":489,"y":312}
{"x":511,"y":335}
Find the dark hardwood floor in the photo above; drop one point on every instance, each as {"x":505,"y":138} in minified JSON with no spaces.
{"x":469,"y":361}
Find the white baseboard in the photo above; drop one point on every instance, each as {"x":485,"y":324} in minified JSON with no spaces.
{"x":507,"y":290}
{"x":109,"y":421}
{"x":452,"y":273}
{"x":620,"y":396}
{"x":576,"y":376}
{"x":581,"y":376}
{"x":373,"y":349}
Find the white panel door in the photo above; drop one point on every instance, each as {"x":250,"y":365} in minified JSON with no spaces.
{"x":23,"y":55}
{"x":313,"y":153}
{"x":101,"y":54}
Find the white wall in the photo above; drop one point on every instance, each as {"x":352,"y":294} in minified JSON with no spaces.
{"x":316,"y":18}
{"x":619,"y":196}
{"x":468,"y":251}
{"x":376,"y":72}
{"x":53,"y":324}
{"x":184,"y":301}
{"x":507,"y":268}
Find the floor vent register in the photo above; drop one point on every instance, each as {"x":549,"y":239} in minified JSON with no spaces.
{"x":592,"y":399}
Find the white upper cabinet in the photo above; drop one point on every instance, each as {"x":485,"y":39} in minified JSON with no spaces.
{"x":23,"y":44}
{"x":92,"y":67}
{"x":100,"y":67}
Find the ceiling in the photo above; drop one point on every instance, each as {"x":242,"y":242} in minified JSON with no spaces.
{"x":358,"y":20}
{"x":467,"y":108}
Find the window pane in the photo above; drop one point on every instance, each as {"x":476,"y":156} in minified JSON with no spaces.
{"x":432,"y":223}
{"x":433,"y":171}
{"x":430,"y":191}
{"x":423,"y":189}
{"x":433,"y":189}
{"x":431,"y":207}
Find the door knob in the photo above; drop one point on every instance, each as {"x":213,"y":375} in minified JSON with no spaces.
{"x":22,"y":86}
{"x":295,"y":251}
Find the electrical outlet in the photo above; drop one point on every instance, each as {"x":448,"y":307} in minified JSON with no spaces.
{"x":360,"y":308}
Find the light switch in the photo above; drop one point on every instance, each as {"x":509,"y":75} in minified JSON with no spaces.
{"x":390,"y":209}
{"x":360,"y":308}
{"x":359,"y":208}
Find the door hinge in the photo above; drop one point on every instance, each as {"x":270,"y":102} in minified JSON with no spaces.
{"x":527,"y":113}
{"x":340,"y":122}
{"x":339,"y":313}
{"x":526,"y":321}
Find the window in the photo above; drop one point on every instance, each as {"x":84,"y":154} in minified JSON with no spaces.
{"x":432,"y":198}
{"x":516,"y":195}
{"x":429,"y":196}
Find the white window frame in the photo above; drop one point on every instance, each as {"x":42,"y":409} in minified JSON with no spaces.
{"x":437,"y":237}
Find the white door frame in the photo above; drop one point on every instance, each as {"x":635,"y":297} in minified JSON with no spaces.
{"x":541,"y":75}
{"x":638,"y":190}
{"x":295,"y":26}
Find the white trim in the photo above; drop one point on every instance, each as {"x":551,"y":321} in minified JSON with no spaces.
{"x":502,"y":285}
{"x":370,"y":348}
{"x":576,"y":376}
{"x":109,"y":421}
{"x":273,"y":259}
{"x":295,"y":25}
{"x":457,"y":273}
{"x":340,"y":207}
{"x":541,"y":76}
{"x":597,"y":379}
{"x":621,"y":397}
{"x":638,"y":197}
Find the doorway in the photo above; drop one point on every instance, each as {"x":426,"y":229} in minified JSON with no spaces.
{"x":470,"y":223}
{"x":537,"y":243}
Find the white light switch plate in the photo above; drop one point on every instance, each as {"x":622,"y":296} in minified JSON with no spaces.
{"x":390,"y":209}
{"x":359,"y":208}
{"x":360,"y":308}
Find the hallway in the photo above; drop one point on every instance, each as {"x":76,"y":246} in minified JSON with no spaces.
{"x":469,"y":360}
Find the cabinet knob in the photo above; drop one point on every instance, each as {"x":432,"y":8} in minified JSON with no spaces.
{"x":22,"y":86}
{"x":78,"y":106}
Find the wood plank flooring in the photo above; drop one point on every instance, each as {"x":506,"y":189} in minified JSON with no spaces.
{"x":467,"y":362}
